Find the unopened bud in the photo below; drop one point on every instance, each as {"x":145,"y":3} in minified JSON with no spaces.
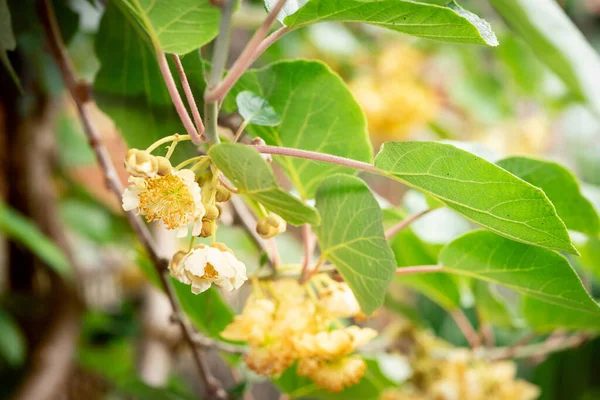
{"x":264,"y":229}
{"x":176,"y":259}
{"x":222,"y":194}
{"x":164,"y":166}
{"x":207,"y":228}
{"x":140,"y":163}
{"x":274,"y":220}
{"x":212,"y":212}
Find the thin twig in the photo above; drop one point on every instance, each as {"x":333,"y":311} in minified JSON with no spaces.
{"x":189,"y":95}
{"x":59,"y":52}
{"x":405,"y":223}
{"x":245,"y":59}
{"x":466,"y":328}
{"x":309,"y":247}
{"x":313,"y":155}
{"x":419,"y":269}
{"x":176,"y":98}
{"x":227,"y":185}
{"x":537,"y":349}
{"x":208,"y":343}
{"x":219,"y":59}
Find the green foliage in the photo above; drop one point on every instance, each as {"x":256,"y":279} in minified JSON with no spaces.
{"x":558,"y":43}
{"x":251,"y":174}
{"x":351,"y":237}
{"x":450,"y":23}
{"x":7,"y":41}
{"x":562,"y":189}
{"x":369,"y":388}
{"x":491,"y":306}
{"x":256,"y":110}
{"x":12,"y":342}
{"x":175,"y":27}
{"x":477,"y":189}
{"x":332,"y":124}
{"x":541,"y":274}
{"x":23,"y":231}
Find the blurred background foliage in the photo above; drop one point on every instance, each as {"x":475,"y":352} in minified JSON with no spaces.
{"x":495,"y":101}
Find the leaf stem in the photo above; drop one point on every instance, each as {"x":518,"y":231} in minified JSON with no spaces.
{"x":189,"y":95}
{"x":240,"y":131}
{"x":249,"y":54}
{"x":312,"y":155}
{"x":405,"y":223}
{"x":176,"y":98}
{"x":419,"y":269}
{"x":219,"y":59}
{"x":173,"y":138}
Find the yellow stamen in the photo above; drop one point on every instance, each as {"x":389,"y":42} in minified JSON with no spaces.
{"x":167,"y":198}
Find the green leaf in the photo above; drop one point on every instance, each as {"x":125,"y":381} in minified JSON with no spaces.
{"x":253,"y":176}
{"x":7,"y":42}
{"x":176,"y":27}
{"x":23,"y":231}
{"x":129,"y":87}
{"x":449,"y":23}
{"x":477,"y":189}
{"x":370,"y":386}
{"x":331,"y":123}
{"x":561,"y":187}
{"x":207,"y":310}
{"x":558,"y":43}
{"x":351,"y":237}
{"x":12,"y":342}
{"x":491,"y":306}
{"x":534,"y":272}
{"x":256,"y":110}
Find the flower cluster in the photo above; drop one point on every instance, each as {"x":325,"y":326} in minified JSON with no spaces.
{"x":288,"y":322}
{"x":442,"y":372}
{"x":393,"y":96}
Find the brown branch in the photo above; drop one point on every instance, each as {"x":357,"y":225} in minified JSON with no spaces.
{"x":466,"y":328}
{"x":537,"y":349}
{"x":61,"y":57}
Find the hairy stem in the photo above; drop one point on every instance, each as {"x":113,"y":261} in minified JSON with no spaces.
{"x":176,"y":98}
{"x":405,"y":223}
{"x":219,"y":59}
{"x":61,"y":57}
{"x":312,"y":155}
{"x":249,"y":54}
{"x":189,"y":95}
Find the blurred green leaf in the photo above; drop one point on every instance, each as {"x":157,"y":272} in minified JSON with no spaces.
{"x":558,"y":43}
{"x":524,"y":67}
{"x":477,"y":189}
{"x":561,"y":187}
{"x":491,"y":306}
{"x":449,"y":23}
{"x":256,"y":110}
{"x":351,"y":237}
{"x":543,"y":275}
{"x":22,"y":230}
{"x":369,"y":388}
{"x":72,"y":144}
{"x":253,"y":177}
{"x":176,"y":27}
{"x":12,"y":342}
{"x":7,"y":42}
{"x":332,"y":124}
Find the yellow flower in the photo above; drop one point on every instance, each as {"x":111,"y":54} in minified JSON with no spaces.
{"x":173,"y":199}
{"x":253,"y":324}
{"x":205,"y":265}
{"x":333,"y":376}
{"x":339,"y":300}
{"x":333,"y":344}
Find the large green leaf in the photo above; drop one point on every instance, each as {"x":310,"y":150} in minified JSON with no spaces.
{"x":557,"y":42}
{"x":252,"y":175}
{"x":477,"y":189}
{"x":351,"y":237}
{"x":491,"y":306}
{"x":561,"y":187}
{"x":449,"y":23}
{"x":129,"y":87}
{"x":370,"y":386}
{"x":330,"y":122}
{"x":541,"y":274}
{"x":176,"y":26}
{"x":23,"y":231}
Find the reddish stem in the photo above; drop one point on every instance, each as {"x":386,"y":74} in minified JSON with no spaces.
{"x":405,"y":223}
{"x":189,"y":95}
{"x":419,"y":269}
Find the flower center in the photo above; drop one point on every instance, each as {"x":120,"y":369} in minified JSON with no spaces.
{"x":210,"y":272}
{"x":169,"y":199}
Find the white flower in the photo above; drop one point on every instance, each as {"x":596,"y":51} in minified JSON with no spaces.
{"x":173,"y":199}
{"x":205,"y":265}
{"x":339,"y":300}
